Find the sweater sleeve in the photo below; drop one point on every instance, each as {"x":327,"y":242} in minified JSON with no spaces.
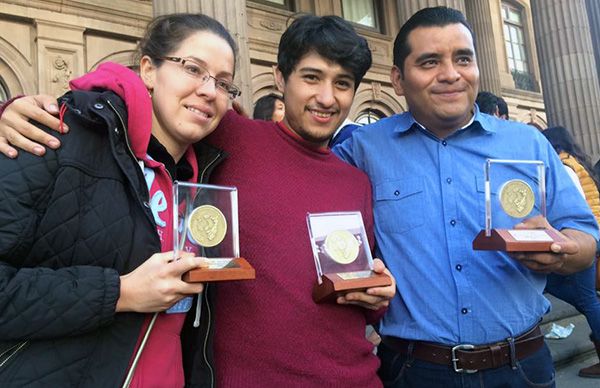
{"x":37,"y":301}
{"x":7,"y":103}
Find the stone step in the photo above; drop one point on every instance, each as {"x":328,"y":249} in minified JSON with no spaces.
{"x":572,"y":349}
{"x":567,"y":376}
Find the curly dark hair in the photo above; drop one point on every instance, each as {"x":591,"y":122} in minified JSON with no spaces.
{"x":329,"y":36}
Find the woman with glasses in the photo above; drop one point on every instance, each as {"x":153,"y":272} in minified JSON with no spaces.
{"x":89,"y":292}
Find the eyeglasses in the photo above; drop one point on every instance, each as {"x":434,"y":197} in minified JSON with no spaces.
{"x":199,"y":72}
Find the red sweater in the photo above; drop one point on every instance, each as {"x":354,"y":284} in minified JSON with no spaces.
{"x":268,"y":331}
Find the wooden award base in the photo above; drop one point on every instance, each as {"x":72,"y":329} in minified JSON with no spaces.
{"x":503,"y":240}
{"x":333,"y":286}
{"x":239,"y":269}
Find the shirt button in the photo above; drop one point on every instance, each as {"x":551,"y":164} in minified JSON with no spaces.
{"x":464,"y":311}
{"x":444,"y":143}
{"x":449,"y":180}
{"x":396,"y":193}
{"x":458,"y":267}
{"x":146,"y":204}
{"x":98,"y":106}
{"x":452,"y":222}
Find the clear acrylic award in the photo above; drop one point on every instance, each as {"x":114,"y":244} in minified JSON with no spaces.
{"x":514,"y":191}
{"x":342,"y":255}
{"x":206,"y":224}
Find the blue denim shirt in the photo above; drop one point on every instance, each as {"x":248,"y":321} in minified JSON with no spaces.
{"x":429,"y":204}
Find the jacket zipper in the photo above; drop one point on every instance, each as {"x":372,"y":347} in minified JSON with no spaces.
{"x":205,"y":296}
{"x":123,"y":126}
{"x":131,"y":370}
{"x":13,"y":350}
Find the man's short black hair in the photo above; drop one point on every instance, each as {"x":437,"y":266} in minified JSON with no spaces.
{"x":265,"y":106}
{"x":502,"y":108}
{"x":487,"y":102}
{"x":331,"y":37}
{"x":427,"y":17}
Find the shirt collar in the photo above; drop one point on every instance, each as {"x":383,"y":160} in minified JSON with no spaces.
{"x":407,"y":121}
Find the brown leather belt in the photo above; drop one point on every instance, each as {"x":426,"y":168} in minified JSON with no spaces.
{"x":469,"y":358}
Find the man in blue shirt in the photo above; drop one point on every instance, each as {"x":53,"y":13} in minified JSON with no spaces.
{"x":426,"y":170}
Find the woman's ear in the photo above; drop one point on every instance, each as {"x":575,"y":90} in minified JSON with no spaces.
{"x":148,"y":72}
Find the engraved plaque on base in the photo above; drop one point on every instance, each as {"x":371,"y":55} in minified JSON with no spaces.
{"x":206,"y":224}
{"x":514,"y":191}
{"x":342,"y":255}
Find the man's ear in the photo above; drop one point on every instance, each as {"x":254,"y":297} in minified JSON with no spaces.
{"x":148,"y":72}
{"x":279,"y":80}
{"x":396,"y":77}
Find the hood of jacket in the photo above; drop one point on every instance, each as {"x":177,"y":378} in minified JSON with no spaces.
{"x":128,"y":85}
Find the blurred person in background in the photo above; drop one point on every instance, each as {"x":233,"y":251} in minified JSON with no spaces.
{"x":269,"y":108}
{"x":578,"y":289}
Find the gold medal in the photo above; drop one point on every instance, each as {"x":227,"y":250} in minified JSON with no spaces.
{"x":342,"y":246}
{"x":516,"y":198}
{"x":207,"y":225}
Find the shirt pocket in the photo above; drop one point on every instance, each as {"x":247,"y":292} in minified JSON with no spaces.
{"x":398,"y":205}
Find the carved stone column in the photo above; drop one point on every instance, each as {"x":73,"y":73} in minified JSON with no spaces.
{"x":479,"y":14}
{"x":593,"y":9}
{"x":568,"y":69}
{"x":406,"y":8}
{"x":233,"y":16}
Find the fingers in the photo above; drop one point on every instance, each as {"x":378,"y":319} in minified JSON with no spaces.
{"x":387,"y":292}
{"x":41,"y":108}
{"x":566,"y":247}
{"x":29,"y":138}
{"x":186,"y":263}
{"x":6,"y":149}
{"x":17,"y":132}
{"x":378,"y":266}
{"x":362,"y":299}
{"x":540,"y":262}
{"x":542,"y":268}
{"x":171,"y":271}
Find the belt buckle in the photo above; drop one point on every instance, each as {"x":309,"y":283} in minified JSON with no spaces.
{"x":455,"y":359}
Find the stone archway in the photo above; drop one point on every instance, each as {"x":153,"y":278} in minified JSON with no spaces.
{"x":17,"y":73}
{"x":262,"y":84}
{"x":372,"y":97}
{"x":124,"y":58}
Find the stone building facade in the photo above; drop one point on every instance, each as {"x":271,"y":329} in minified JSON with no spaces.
{"x":540,"y":55}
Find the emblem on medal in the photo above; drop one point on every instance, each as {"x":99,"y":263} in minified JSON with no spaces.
{"x":342,"y":246}
{"x":207,"y":226}
{"x":517,"y":198}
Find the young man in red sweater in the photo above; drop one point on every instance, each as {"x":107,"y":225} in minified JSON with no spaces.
{"x":268,"y":332}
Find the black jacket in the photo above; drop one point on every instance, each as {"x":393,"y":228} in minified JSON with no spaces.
{"x":71,"y":222}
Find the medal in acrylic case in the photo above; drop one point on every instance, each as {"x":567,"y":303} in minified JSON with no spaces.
{"x":342,"y":255}
{"x":514,"y":191}
{"x":206,"y":224}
